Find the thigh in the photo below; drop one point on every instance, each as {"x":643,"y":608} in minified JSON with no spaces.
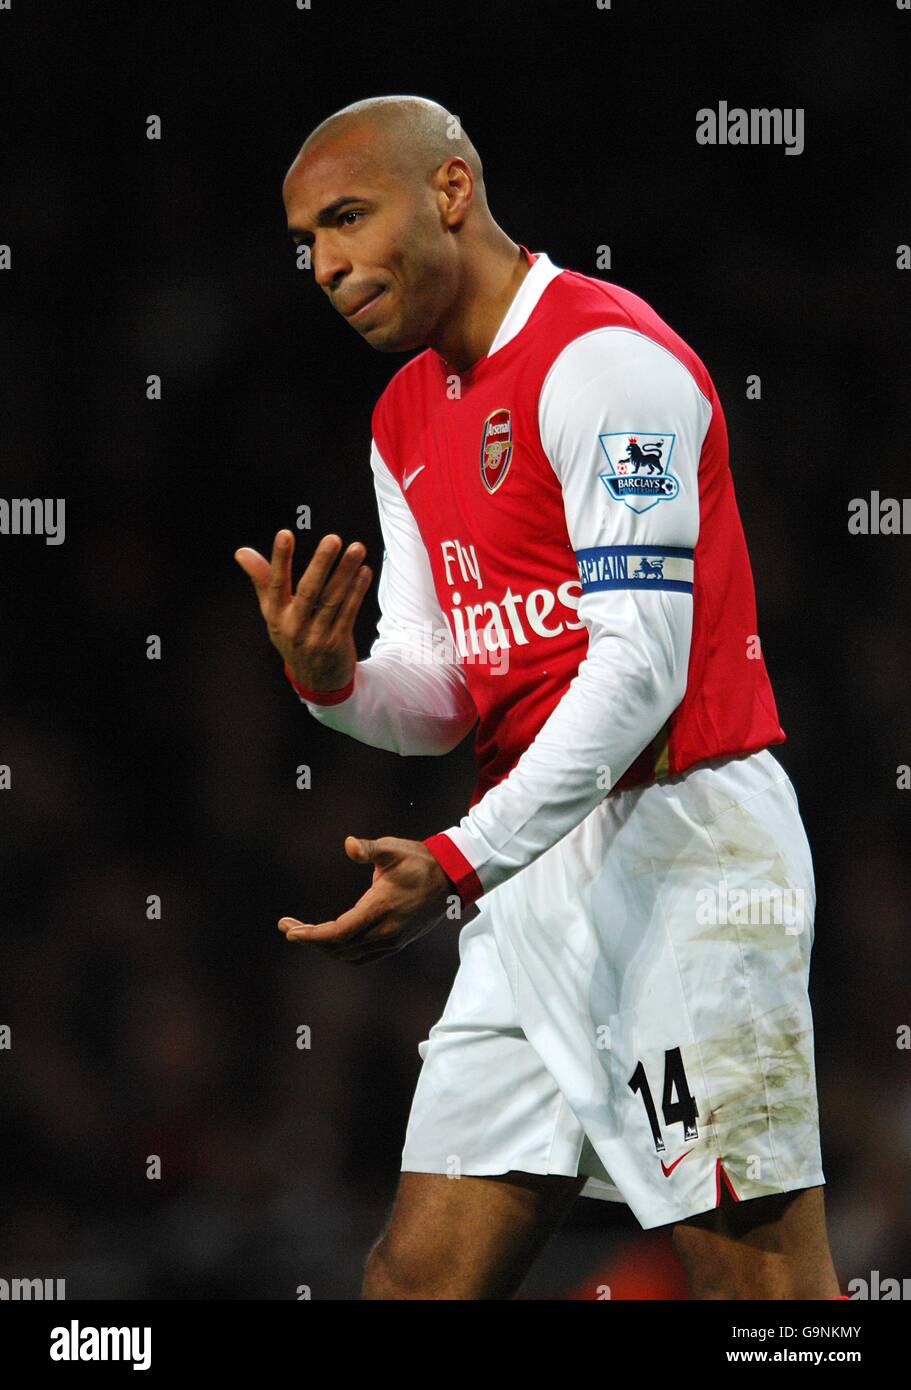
{"x":466,"y":1237}
{"x":676,"y":1022}
{"x":485,"y":1104}
{"x":773,"y":1247}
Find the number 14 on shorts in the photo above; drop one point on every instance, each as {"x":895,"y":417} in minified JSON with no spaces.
{"x":678,"y":1104}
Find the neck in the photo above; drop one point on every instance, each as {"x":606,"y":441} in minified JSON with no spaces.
{"x":487,"y":287}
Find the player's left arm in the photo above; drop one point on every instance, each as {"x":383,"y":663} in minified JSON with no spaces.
{"x":607,"y":388}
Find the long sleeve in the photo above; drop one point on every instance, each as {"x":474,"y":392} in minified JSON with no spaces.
{"x":410,"y":695}
{"x":622,"y":422}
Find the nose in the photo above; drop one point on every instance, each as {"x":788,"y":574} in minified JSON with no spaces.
{"x":329,"y":264}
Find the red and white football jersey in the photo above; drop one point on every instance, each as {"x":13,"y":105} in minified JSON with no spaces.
{"x":564,"y":563}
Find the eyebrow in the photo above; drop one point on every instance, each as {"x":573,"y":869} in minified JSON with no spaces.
{"x":325,"y":216}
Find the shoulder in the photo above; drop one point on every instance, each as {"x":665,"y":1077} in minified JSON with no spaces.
{"x":622,"y":363}
{"x":596,"y":326}
{"x":622,"y":377}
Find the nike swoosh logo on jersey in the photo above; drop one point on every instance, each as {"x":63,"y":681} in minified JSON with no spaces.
{"x":667,"y":1171}
{"x":408,"y":478}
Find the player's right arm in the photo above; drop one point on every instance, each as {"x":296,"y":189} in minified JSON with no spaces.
{"x":410,"y":695}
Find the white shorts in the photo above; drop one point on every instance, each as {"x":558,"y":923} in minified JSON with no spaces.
{"x":632,"y":1007}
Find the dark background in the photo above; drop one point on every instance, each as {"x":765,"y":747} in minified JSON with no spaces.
{"x":176,"y":777}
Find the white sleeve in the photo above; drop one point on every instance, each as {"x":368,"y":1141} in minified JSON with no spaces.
{"x":410,"y":695}
{"x":622,"y":422}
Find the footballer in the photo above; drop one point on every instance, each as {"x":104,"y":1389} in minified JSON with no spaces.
{"x":565,"y":572}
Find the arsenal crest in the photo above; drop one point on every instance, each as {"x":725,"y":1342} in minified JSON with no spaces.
{"x":496,"y":448}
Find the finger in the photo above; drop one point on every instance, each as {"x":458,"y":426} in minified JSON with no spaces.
{"x":314,"y":577}
{"x":341,"y":950}
{"x":369,"y":912}
{"x":253,"y":564}
{"x":353,"y":599}
{"x":318,"y":598}
{"x":329,"y":932}
{"x":328,"y":603}
{"x":278,"y":587}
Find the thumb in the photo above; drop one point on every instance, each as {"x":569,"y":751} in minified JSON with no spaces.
{"x":361,"y":850}
{"x":382,"y":856}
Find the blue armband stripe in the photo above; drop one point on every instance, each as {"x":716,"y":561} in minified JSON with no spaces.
{"x":636,"y":567}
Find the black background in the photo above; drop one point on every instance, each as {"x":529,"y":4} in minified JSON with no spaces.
{"x":176,"y":777}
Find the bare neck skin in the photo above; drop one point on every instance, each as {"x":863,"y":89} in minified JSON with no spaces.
{"x":487,"y":288}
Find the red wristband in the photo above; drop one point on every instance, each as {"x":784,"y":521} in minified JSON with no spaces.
{"x":320,"y":697}
{"x":455,"y":866}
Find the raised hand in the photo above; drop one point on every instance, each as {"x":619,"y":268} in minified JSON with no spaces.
{"x":313,"y":627}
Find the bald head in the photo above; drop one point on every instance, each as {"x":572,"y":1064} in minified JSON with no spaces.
{"x":410,"y":136}
{"x":388,"y":194}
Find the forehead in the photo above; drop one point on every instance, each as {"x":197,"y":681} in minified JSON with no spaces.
{"x":338,"y":165}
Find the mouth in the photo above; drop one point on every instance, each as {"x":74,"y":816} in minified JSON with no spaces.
{"x":364,"y":305}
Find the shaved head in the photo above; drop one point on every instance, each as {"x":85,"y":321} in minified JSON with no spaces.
{"x":388,"y":193}
{"x":412,"y":136}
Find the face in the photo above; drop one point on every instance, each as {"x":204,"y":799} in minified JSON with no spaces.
{"x":376,"y":242}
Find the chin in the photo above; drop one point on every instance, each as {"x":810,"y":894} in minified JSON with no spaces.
{"x":393,"y":342}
